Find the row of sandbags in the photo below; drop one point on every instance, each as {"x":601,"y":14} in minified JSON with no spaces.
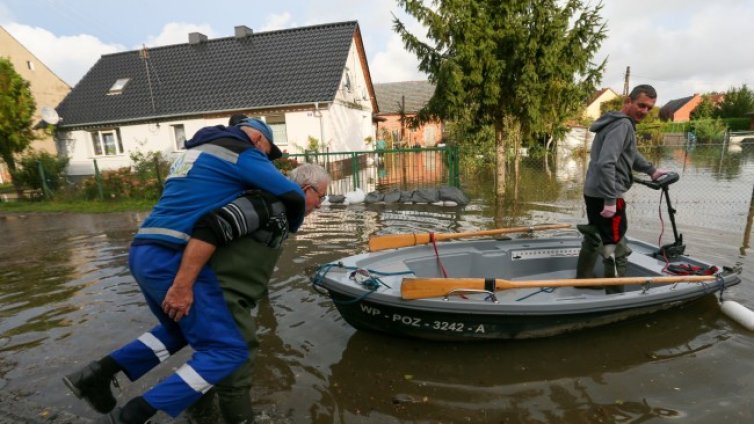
{"x":447,"y":196}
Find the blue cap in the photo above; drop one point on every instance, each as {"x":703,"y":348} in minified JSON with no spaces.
{"x":266,"y":131}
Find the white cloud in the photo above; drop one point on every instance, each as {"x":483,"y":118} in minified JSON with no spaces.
{"x":278,"y":21}
{"x":395,"y":63}
{"x":177,"y":33}
{"x":70,"y":57}
{"x":681,"y":47}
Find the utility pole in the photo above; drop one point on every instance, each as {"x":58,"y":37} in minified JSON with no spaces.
{"x":625,"y":83}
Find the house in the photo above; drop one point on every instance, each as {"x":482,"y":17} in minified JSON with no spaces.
{"x":407,"y":97}
{"x":679,"y":110}
{"x":592,"y":110}
{"x":310,"y":84}
{"x":46,"y":88}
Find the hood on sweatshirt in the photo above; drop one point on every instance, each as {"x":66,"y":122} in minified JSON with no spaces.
{"x":207,"y":134}
{"x":607,"y":119}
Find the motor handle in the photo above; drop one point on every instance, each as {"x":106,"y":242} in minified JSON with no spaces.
{"x":660,"y":183}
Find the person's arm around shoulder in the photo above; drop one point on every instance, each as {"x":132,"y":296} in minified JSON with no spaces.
{"x":245,"y":215}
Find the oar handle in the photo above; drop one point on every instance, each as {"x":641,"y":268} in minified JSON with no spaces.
{"x":392,"y":241}
{"x":419,"y":288}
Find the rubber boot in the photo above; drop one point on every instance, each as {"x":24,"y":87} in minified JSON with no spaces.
{"x":590,"y":251}
{"x":236,"y":407}
{"x":616,"y":263}
{"x":204,"y":410}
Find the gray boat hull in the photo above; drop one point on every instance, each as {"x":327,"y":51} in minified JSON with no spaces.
{"x":510,"y":314}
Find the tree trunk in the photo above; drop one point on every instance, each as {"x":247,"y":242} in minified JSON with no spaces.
{"x":500,"y":159}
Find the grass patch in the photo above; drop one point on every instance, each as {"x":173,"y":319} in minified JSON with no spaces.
{"x":78,"y":206}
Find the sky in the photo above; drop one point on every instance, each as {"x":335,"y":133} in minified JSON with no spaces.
{"x":681,"y":47}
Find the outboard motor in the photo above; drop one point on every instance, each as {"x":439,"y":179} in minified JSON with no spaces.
{"x":677,"y":248}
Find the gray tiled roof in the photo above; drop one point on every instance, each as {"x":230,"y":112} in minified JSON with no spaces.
{"x":389,"y":96}
{"x":671,"y":107}
{"x":274,"y":68}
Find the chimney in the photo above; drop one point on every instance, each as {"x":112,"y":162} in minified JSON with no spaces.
{"x":197,"y":38}
{"x":242,"y":31}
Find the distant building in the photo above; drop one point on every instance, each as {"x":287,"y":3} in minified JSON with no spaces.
{"x":46,"y":88}
{"x":408,"y":97}
{"x":306,"y":83}
{"x":679,"y":110}
{"x":592,"y":110}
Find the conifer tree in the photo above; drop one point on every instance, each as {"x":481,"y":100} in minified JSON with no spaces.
{"x":522,"y":66}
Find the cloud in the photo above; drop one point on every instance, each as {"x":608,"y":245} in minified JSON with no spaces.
{"x":692,"y":48}
{"x":177,"y":33}
{"x":395,"y":63}
{"x":70,"y":57}
{"x":278,"y":21}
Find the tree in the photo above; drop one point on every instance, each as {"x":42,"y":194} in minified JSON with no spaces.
{"x":522,"y":66}
{"x":737,"y":103}
{"x":17,"y":108}
{"x":706,"y":109}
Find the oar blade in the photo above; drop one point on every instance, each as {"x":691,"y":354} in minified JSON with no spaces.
{"x":394,"y":241}
{"x":419,"y":288}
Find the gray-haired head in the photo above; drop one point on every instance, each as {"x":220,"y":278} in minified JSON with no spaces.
{"x":647,"y":89}
{"x":309,"y":174}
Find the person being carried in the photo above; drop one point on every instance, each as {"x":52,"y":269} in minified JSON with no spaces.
{"x":613,"y":157}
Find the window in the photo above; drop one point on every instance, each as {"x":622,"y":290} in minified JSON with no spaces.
{"x":179,"y":136}
{"x":30,"y":65}
{"x":118,"y":87}
{"x":279,"y":134}
{"x":107,"y":143}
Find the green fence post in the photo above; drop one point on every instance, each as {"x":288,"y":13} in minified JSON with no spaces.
{"x":157,"y":172}
{"x":355,"y":170}
{"x":98,"y":180}
{"x":45,"y":188}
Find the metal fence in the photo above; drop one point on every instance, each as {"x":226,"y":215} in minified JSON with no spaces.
{"x":403,"y":169}
{"x":716,"y":189}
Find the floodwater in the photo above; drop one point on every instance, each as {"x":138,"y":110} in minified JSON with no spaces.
{"x":66,"y":297}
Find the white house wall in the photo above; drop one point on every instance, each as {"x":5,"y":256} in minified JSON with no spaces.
{"x":351,"y":113}
{"x":135,"y":138}
{"x":304,"y":124}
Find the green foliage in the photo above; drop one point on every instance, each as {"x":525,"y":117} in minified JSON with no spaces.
{"x":708,"y":130}
{"x":312,"y":144}
{"x":737,"y":103}
{"x":737,"y":124}
{"x":285,"y":164}
{"x":17,"y":108}
{"x":144,"y":180}
{"x":615,"y":104}
{"x":150,"y":170}
{"x":706,"y":109}
{"x":518,"y":65}
{"x":27,"y":172}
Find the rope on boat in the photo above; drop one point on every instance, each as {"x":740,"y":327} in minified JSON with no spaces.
{"x":364,"y":276}
{"x":541,"y":290}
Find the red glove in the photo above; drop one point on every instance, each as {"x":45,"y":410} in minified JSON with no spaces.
{"x":608,"y":211}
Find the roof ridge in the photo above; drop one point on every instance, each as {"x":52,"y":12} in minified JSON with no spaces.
{"x":219,"y":39}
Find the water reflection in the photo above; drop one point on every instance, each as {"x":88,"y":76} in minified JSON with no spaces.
{"x":66,"y":296}
{"x":510,"y":381}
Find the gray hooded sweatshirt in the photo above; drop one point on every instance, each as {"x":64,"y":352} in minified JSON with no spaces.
{"x":613,"y":157}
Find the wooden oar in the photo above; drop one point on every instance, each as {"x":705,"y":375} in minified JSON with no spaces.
{"x":419,"y":288}
{"x":392,"y":241}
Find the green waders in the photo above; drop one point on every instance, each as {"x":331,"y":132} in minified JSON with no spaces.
{"x":591,"y":246}
{"x":244,"y":269}
{"x":614,"y":257}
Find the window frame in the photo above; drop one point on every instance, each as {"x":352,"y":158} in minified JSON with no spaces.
{"x":176,"y":144}
{"x":100,"y":146}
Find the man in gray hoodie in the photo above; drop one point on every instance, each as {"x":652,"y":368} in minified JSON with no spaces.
{"x":613,"y":157}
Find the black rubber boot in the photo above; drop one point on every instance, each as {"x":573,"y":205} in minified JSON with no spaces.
{"x":136,"y":411}
{"x":590,"y":251}
{"x":236,"y":408}
{"x":204,"y":410}
{"x":92,"y":383}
